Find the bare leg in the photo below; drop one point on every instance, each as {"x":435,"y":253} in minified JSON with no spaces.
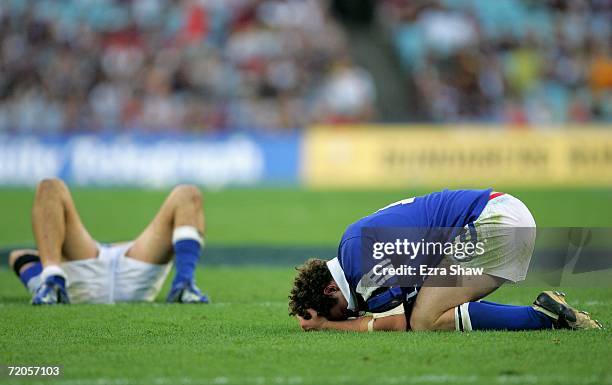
{"x":183,"y":207}
{"x":434,"y":308}
{"x":58,"y":230}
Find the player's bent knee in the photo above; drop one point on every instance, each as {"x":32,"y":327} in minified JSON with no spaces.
{"x":50,"y":186}
{"x":188,"y":193}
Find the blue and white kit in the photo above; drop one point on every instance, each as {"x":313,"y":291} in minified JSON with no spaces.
{"x":111,"y":277}
{"x":492,"y":215}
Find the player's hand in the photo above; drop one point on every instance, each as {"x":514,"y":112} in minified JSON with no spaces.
{"x":316,"y":322}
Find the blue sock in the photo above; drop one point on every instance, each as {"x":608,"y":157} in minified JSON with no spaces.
{"x":498,"y":304}
{"x":187,"y":253}
{"x":32,"y":271}
{"x":487,"y":316}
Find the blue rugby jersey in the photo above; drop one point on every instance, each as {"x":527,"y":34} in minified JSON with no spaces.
{"x":444,"y":209}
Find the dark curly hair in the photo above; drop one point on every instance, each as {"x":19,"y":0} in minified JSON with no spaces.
{"x":307,"y":292}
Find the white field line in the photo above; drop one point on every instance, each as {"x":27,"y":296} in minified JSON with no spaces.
{"x":592,"y":303}
{"x":257,"y":303}
{"x":575,"y":303}
{"x":155,"y":304}
{"x":284,"y":303}
{"x":296,"y":380}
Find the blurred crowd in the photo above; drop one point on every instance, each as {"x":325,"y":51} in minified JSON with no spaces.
{"x":539,"y":62}
{"x":266,"y":65}
{"x":175,"y":65}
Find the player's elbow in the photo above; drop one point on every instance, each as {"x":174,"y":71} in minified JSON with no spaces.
{"x":13,"y":257}
{"x":18,"y":253}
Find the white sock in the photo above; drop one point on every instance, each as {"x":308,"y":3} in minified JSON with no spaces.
{"x":187,"y":232}
{"x":463,"y":322}
{"x":53,"y":270}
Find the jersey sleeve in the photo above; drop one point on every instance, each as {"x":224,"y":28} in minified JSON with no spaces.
{"x":395,"y":311}
{"x":378,"y":293}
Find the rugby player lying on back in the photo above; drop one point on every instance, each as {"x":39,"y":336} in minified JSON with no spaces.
{"x":70,"y":266}
{"x":337,"y":293}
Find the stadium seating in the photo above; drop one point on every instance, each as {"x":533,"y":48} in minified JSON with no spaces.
{"x":161,"y":65}
{"x":506,"y":61}
{"x":277,"y":65}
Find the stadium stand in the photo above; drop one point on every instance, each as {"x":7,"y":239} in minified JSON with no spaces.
{"x":506,"y":61}
{"x":162,"y":65}
{"x":273,"y":65}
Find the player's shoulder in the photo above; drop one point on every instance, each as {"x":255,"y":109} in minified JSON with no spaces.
{"x":374,"y":219}
{"x":413,"y":211}
{"x":446,"y":193}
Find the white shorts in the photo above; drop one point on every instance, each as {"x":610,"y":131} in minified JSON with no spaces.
{"x":112,"y":277}
{"x":508,"y":231}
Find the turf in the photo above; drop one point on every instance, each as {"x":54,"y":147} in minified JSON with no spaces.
{"x":245,"y":335}
{"x":278,"y":216}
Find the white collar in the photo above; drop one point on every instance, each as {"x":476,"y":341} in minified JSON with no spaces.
{"x":338,"y":275}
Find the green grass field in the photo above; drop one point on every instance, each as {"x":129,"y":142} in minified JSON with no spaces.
{"x":245,"y":335}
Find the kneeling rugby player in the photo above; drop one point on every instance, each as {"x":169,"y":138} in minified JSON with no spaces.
{"x":69,"y":266}
{"x":335,"y":294}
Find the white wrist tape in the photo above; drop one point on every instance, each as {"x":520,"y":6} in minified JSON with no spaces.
{"x":371,"y":325}
{"x":187,"y":232}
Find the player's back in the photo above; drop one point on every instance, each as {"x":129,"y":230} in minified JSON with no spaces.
{"x":447,"y":208}
{"x":427,"y":217}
